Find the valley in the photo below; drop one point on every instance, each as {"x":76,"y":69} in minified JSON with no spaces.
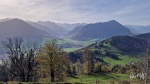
{"x":109,"y":49}
{"x":74,"y":42}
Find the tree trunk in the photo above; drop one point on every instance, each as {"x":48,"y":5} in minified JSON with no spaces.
{"x":23,"y":79}
{"x":27,"y":80}
{"x":52,"y":76}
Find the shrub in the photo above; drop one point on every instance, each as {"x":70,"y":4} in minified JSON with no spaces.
{"x":97,"y":68}
{"x":2,"y":82}
{"x":124,"y":82}
{"x":105,"y":68}
{"x":111,"y":82}
{"x":116,"y":68}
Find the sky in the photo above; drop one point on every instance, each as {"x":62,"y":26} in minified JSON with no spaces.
{"x":128,"y":12}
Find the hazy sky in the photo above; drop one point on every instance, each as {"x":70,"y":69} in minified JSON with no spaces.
{"x":136,"y":12}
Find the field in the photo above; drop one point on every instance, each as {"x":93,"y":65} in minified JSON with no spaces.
{"x":125,"y":59}
{"x":102,"y":78}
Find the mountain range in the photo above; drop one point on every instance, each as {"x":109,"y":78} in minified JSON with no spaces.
{"x":12,"y":27}
{"x":119,"y":40}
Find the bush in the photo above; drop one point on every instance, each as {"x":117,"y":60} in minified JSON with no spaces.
{"x":111,"y":82}
{"x":78,"y":83}
{"x":2,"y":82}
{"x":124,"y":82}
{"x":97,"y":68}
{"x":105,"y":68}
{"x":116,"y":68}
{"x":20,"y":83}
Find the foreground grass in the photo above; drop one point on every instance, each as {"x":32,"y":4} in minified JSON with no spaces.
{"x":103,"y":78}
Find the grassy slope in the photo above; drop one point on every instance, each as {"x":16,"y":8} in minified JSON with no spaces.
{"x":125,"y":58}
{"x":104,"y":78}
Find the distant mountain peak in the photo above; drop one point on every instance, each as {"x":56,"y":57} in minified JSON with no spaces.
{"x":16,"y":20}
{"x":112,"y":21}
{"x":102,"y":30}
{"x":6,"y":19}
{"x":17,"y":27}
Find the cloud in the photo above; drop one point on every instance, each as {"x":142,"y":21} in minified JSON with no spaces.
{"x":72,"y":11}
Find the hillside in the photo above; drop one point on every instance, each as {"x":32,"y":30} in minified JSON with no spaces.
{"x":102,"y":30}
{"x":118,"y":49}
{"x":144,"y":36}
{"x":128,"y":44}
{"x":20,"y":28}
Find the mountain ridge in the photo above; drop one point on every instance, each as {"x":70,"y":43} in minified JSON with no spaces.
{"x":137,"y":29}
{"x":102,"y":30}
{"x":59,"y":31}
{"x":19,"y":28}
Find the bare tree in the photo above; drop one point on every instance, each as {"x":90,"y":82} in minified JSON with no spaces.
{"x":88,"y":61}
{"x":21,"y":59}
{"x":147,"y":64}
{"x":143,"y":66}
{"x":4,"y":75}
